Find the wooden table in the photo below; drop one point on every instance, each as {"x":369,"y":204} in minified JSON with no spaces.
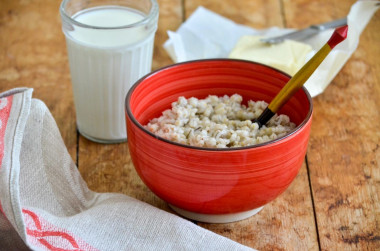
{"x":333,"y":204}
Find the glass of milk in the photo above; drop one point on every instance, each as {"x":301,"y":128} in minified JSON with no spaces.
{"x":110,"y":46}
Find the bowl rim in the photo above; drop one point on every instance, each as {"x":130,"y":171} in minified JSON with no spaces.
{"x":141,"y":127}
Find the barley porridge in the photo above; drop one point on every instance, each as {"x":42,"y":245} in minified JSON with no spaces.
{"x":218,"y":122}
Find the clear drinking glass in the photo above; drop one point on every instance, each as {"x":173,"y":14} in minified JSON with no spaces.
{"x":110,"y":46}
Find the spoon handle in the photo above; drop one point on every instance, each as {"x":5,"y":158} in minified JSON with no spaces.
{"x":299,"y":79}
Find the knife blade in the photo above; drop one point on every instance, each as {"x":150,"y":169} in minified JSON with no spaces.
{"x":305,"y":33}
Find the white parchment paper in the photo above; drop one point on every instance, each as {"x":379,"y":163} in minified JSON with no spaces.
{"x":203,"y":36}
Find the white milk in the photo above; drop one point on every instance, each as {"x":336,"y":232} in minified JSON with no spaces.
{"x":104,"y":64}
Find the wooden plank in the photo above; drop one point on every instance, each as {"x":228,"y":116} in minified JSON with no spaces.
{"x":346,"y":160}
{"x":108,"y":168}
{"x":287,"y":223}
{"x":33,"y":54}
{"x":344,"y":156}
{"x":303,"y":13}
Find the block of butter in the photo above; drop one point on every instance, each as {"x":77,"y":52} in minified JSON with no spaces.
{"x":288,"y":56}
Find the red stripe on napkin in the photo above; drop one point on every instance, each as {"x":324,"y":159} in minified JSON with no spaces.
{"x":41,"y":232}
{"x":5,"y":110}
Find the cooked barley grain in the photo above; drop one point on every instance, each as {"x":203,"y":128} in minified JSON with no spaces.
{"x":218,"y":122}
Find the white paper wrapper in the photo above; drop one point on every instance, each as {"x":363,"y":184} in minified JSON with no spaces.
{"x":203,"y":36}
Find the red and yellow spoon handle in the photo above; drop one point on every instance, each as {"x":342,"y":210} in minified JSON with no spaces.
{"x":299,"y":79}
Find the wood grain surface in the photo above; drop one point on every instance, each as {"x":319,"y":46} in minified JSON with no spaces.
{"x":333,"y":204}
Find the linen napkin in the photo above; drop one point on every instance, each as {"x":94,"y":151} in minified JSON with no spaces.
{"x":45,"y":204}
{"x":203,"y":35}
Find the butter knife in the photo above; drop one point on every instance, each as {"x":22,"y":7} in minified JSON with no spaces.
{"x":307,"y":32}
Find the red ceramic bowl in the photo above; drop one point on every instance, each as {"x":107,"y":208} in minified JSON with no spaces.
{"x":207,"y":184}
